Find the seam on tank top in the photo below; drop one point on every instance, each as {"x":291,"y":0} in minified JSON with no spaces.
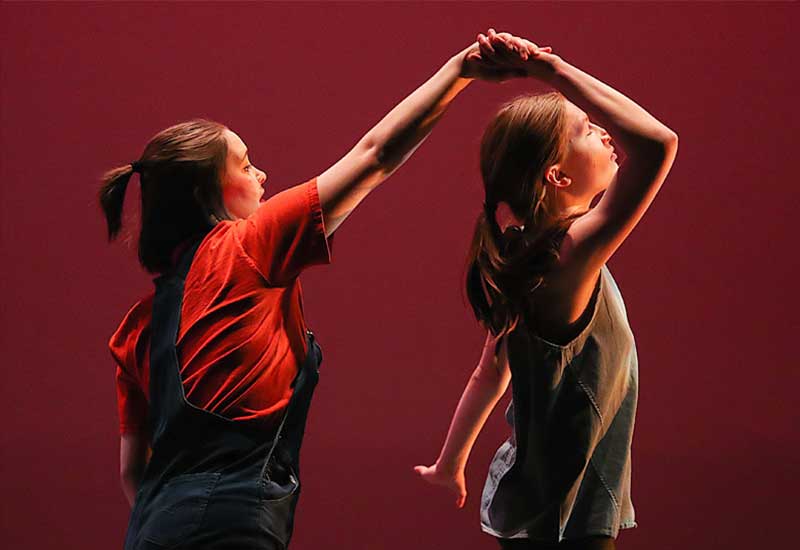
{"x":589,"y":394}
{"x":604,"y":483}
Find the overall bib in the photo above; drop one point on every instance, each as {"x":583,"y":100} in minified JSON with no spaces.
{"x":212,"y":482}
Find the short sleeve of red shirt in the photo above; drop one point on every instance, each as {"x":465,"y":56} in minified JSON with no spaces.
{"x":129,"y":347}
{"x":286,"y":234}
{"x":131,"y":402}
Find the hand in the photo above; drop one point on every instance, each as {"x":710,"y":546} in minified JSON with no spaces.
{"x":534,"y":61}
{"x":482,"y":60}
{"x":454,"y":481}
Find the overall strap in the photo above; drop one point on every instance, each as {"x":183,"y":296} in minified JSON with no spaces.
{"x":166,"y":390}
{"x":290,"y":431}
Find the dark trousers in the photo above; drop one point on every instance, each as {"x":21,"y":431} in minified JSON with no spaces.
{"x":589,"y":543}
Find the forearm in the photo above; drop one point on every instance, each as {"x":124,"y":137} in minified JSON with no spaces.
{"x":387,"y":145}
{"x":134,"y":454}
{"x":129,"y":489}
{"x":632,"y":126}
{"x":482,"y":393}
{"x":406,"y":126}
{"x":130,"y":485}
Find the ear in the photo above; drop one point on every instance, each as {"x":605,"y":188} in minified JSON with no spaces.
{"x":554,"y":176}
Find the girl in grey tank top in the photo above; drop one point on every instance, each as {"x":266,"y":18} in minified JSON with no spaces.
{"x":572,"y":414}
{"x":557,"y":206}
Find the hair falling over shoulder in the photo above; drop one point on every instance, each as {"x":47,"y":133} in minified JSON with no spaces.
{"x":525,"y":137}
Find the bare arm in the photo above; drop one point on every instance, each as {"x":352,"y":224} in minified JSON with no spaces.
{"x":649,"y":144}
{"x":633,"y":128}
{"x":385,"y":147}
{"x":650,"y":147}
{"x":484,"y":389}
{"x":133,"y":455}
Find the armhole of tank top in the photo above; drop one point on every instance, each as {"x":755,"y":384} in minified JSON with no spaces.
{"x":594,"y":305}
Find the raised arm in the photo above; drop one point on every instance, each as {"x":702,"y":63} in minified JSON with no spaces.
{"x":389,"y":143}
{"x":484,"y":389}
{"x":650,"y":148}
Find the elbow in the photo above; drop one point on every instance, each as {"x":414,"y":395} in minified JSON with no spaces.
{"x":670,"y":141}
{"x":385,"y":159}
{"x":666,"y":141}
{"x":656,"y":149}
{"x":381,"y":155}
{"x":670,"y":147}
{"x":131,"y":474}
{"x":372,"y":155}
{"x":129,"y":485}
{"x":129,"y":478}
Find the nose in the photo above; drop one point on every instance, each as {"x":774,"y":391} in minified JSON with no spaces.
{"x":262,"y":177}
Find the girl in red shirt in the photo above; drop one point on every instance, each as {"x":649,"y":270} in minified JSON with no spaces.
{"x":216,"y":368}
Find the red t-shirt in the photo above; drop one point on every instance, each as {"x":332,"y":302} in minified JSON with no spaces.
{"x":242,"y":332}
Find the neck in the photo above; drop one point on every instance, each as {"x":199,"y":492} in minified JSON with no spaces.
{"x":566,"y":205}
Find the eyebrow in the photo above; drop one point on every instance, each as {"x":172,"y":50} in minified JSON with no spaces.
{"x":583,"y":123}
{"x":244,"y":155}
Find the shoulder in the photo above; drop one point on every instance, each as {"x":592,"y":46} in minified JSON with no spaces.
{"x":222,"y":254}
{"x":566,"y":307}
{"x":139,"y":312}
{"x":135,"y":322}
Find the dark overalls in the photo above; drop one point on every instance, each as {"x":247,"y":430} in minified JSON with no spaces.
{"x":212,"y":482}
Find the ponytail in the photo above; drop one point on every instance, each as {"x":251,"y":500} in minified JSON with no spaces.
{"x":112,"y":196}
{"x":498,"y":277}
{"x":503,"y":269}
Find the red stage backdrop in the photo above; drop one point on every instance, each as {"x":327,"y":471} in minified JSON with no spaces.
{"x":706,"y":276}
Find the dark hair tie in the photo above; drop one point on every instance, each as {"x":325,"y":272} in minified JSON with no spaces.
{"x":137,"y":166}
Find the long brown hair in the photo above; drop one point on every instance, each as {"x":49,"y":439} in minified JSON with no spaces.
{"x":180,"y":175}
{"x":527,"y":135}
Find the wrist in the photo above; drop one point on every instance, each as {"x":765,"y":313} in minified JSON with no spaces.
{"x":454,"y":67}
{"x":546,"y":68}
{"x":451,"y":78}
{"x":449,"y":467}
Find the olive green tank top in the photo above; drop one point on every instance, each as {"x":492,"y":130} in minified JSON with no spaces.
{"x":565,"y":471}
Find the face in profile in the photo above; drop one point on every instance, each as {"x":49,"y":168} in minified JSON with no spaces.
{"x":590,"y":163}
{"x":242,"y":182}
